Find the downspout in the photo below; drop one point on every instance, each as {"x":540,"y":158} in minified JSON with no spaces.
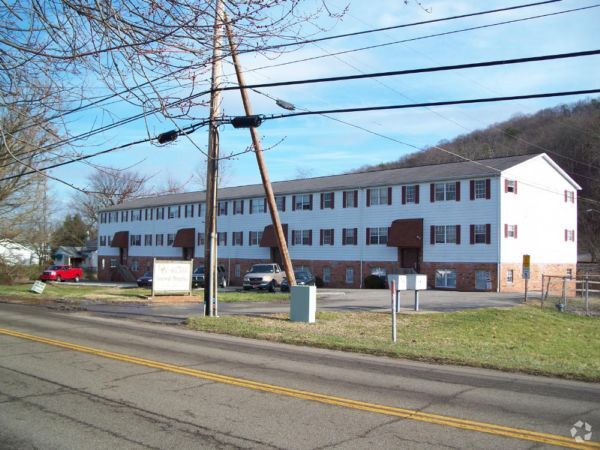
{"x":362,"y":245}
{"x":498,"y":234}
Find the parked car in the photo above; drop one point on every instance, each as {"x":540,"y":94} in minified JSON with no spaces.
{"x":303,"y":278}
{"x":145,"y":280}
{"x":198,"y":277}
{"x":62,"y":273}
{"x":263,"y":276}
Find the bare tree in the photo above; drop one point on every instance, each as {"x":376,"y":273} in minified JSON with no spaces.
{"x":108,"y":187}
{"x":136,"y":49}
{"x":223,"y":179}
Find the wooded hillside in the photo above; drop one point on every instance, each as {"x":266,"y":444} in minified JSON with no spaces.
{"x":569,"y":134}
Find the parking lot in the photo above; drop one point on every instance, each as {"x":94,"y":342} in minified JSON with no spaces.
{"x":327,"y":300}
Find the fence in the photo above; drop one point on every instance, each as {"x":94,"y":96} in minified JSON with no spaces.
{"x":573,"y":295}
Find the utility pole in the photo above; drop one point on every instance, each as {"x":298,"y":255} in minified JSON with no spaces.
{"x":212,"y":171}
{"x":264,"y":173}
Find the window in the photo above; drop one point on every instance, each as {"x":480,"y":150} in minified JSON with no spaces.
{"x":173,"y":212}
{"x":170,"y":239}
{"x":113,"y":217}
{"x":160,"y":240}
{"x":510,"y":186}
{"x":480,"y":234}
{"x":446,"y":234}
{"x":113,"y":263}
{"x":222,"y":208}
{"x":379,"y":196}
{"x":200,"y":239}
{"x":445,"y":278}
{"x":510,"y":276}
{"x":147,"y":239}
{"x":188,"y":210}
{"x":237,"y":270}
{"x":510,"y":231}
{"x":254,"y":237}
{"x":136,"y":215}
{"x":569,"y":196}
{"x":377,"y":236}
{"x":350,"y":199}
{"x":327,"y":237}
{"x":238,"y":207}
{"x":258,"y":205}
{"x":326,"y":274}
{"x":237,"y":238}
{"x":410,"y":194}
{"x":135,"y":265}
{"x":102,"y":241}
{"x":124,"y":216}
{"x":199,"y":209}
{"x":480,"y":190}
{"x":570,"y":235}
{"x":327,"y":200}
{"x":445,"y":191}
{"x":135,"y":240}
{"x":570,"y":274}
{"x":280,"y":201}
{"x":301,"y":237}
{"x":349,"y":275}
{"x":350,"y":236}
{"x":302,"y":201}
{"x":222,"y":238}
{"x":160,"y":213}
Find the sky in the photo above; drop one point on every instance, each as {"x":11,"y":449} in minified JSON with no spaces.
{"x":316,"y":145}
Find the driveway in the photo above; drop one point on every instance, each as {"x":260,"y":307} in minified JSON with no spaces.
{"x":327,"y":300}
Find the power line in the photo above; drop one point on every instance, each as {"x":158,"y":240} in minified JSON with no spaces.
{"x":499,"y":62}
{"x":427,"y":104}
{"x":446,"y":33}
{"x":335,"y":79}
{"x":393,"y":27}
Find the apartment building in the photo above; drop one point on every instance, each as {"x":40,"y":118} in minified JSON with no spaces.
{"x":466,"y":225}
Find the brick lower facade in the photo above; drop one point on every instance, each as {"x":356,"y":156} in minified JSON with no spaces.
{"x":340,"y":272}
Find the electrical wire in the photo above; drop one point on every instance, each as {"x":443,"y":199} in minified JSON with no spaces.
{"x":393,"y":27}
{"x":446,"y":33}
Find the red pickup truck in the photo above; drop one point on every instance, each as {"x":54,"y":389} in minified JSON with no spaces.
{"x":62,"y":273}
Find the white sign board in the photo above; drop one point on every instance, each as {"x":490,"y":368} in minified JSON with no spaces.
{"x":172,"y":277}
{"x":38,"y":287}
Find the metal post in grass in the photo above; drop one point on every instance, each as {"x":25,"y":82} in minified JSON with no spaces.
{"x":586,"y":288}
{"x":394,"y":294}
{"x":564,"y":292}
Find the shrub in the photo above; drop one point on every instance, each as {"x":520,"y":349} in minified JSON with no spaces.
{"x":374,"y":282}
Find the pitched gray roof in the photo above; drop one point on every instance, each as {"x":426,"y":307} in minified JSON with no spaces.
{"x":420,"y":174}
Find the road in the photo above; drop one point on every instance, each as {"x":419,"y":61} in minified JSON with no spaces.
{"x":327,"y":300}
{"x":76,"y":381}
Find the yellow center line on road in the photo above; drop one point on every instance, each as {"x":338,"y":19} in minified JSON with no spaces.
{"x":411,"y":414}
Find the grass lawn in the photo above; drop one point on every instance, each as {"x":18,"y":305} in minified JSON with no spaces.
{"x":523,"y":339}
{"x":78,"y":292}
{"x":82,"y":292}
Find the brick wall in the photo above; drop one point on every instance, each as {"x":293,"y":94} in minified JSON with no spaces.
{"x":465,"y":274}
{"x":535,"y":279}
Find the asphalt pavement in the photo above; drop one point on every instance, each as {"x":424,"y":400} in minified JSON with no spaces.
{"x":71,"y":381}
{"x":327,"y":300}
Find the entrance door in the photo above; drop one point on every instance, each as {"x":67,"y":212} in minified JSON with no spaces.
{"x":409,"y":258}
{"x":276,"y":256}
{"x":188,"y":253}
{"x":123,"y":256}
{"x":483,"y":280}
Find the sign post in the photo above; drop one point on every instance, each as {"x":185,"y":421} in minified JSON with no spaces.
{"x":526,"y":273}
{"x":394,"y":303}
